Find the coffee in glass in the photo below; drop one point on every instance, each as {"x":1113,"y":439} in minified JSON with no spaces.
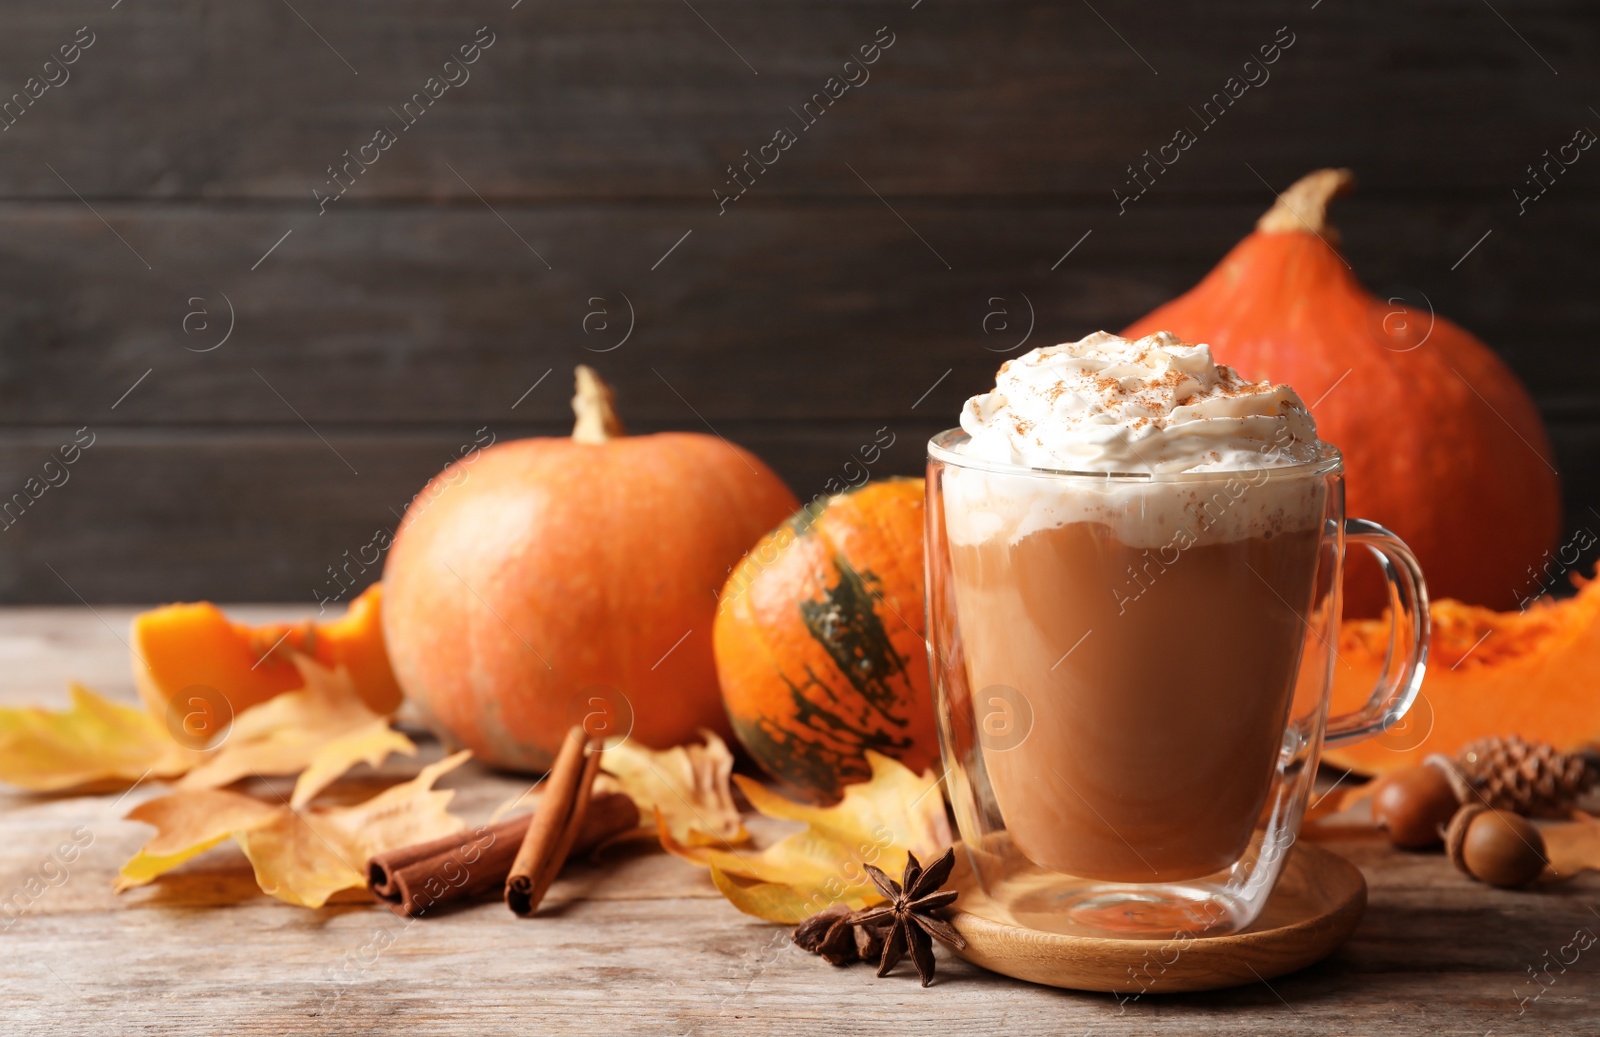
{"x":1134,"y":561}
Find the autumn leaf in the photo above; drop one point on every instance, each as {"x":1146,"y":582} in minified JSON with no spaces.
{"x":300,"y":856}
{"x":95,"y":741}
{"x":318,"y":732}
{"x":187,"y":825}
{"x":877,"y":822}
{"x":1335,"y":801}
{"x":686,"y":787}
{"x":1572,"y":846}
{"x":306,"y":856}
{"x":370,"y":743}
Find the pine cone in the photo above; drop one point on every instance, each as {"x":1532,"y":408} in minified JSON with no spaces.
{"x":1531,"y":778}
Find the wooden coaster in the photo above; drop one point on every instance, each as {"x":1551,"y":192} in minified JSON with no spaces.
{"x":1315,"y":907}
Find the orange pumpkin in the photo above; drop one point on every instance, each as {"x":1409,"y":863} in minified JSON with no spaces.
{"x":176,"y":647}
{"x":1534,"y":673}
{"x":552,"y":581}
{"x":819,"y":641}
{"x":1440,"y":440}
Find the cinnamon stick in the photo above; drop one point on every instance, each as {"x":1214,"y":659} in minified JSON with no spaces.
{"x":456,"y":867}
{"x":569,"y":834}
{"x":416,"y":879}
{"x":552,"y":831}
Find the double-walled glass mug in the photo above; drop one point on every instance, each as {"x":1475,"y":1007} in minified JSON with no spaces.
{"x":1132,"y":676}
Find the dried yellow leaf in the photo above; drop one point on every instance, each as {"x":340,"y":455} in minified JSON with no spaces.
{"x":318,"y":732}
{"x":300,"y":856}
{"x":370,"y":744}
{"x":188,"y":824}
{"x":686,"y":787}
{"x":322,"y":730}
{"x":877,"y":822}
{"x":1572,"y":845}
{"x":93,"y":742}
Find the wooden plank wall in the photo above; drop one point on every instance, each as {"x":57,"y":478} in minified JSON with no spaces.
{"x":161,"y":192}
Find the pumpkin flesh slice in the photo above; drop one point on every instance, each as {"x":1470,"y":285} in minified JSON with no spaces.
{"x":1531,"y":673}
{"x":176,"y":647}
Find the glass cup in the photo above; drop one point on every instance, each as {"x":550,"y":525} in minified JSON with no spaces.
{"x":1132,"y":675}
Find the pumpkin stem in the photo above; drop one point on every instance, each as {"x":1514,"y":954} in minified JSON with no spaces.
{"x":1304,"y":206}
{"x":595,"y":406}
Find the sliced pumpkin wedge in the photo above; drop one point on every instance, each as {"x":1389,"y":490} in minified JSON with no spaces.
{"x":1534,"y":673}
{"x":176,"y":647}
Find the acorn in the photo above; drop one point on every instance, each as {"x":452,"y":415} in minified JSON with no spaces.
{"x":1413,"y":804}
{"x":1499,"y":847}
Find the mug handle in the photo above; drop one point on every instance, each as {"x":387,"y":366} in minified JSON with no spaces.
{"x":1407,"y":658}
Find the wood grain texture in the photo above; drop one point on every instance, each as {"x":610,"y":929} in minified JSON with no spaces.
{"x":241,"y":514}
{"x":630,"y":98}
{"x":834,"y":311}
{"x":235,"y":514}
{"x":873,"y":275}
{"x":643,"y":945}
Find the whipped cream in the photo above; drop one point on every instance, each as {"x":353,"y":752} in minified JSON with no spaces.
{"x":1156,"y":406}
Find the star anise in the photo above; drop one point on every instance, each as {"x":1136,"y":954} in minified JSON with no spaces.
{"x":886,"y":932}
{"x":837,"y":939}
{"x":909,"y":918}
{"x":830,"y":934}
{"x":869,"y":941}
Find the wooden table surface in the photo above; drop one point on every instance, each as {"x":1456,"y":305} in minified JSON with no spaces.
{"x":645,"y":945}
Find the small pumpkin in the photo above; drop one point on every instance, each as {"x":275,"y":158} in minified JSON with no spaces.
{"x":1531,"y":673}
{"x":819,"y":641}
{"x":551,"y":581}
{"x":1441,"y":442}
{"x":176,"y":647}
